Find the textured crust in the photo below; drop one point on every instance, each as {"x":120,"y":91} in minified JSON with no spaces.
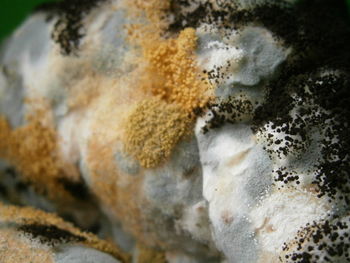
{"x":143,"y":114}
{"x":29,"y":216}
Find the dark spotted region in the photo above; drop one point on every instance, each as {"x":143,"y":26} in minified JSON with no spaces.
{"x":50,"y":234}
{"x":333,"y":170}
{"x":227,"y":111}
{"x":286,"y":176}
{"x":304,"y":25}
{"x":218,"y":73}
{"x":203,"y":13}
{"x":324,"y":107}
{"x":11,"y":184}
{"x":226,"y":14}
{"x":77,"y":189}
{"x":326,"y":241}
{"x":295,"y":137}
{"x":318,"y":33}
{"x":3,"y":191}
{"x":69,"y":28}
{"x":317,"y":30}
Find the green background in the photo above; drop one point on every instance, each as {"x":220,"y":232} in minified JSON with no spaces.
{"x":13,"y":12}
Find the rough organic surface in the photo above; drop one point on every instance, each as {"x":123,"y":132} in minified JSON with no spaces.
{"x":43,"y":234}
{"x":181,"y":131}
{"x":152,"y":131}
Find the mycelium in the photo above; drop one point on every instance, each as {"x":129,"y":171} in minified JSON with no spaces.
{"x":187,"y":131}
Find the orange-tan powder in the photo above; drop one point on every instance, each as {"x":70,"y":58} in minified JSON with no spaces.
{"x":172,"y":77}
{"x":153,"y":129}
{"x":32,"y":148}
{"x":153,"y":11}
{"x":172,"y":71}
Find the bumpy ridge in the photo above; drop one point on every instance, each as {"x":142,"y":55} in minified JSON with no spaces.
{"x":153,"y":129}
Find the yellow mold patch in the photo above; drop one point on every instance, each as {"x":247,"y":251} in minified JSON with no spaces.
{"x":172,"y":73}
{"x":169,"y":73}
{"x":153,"y":129}
{"x":170,"y":70}
{"x":153,"y":11}
{"x":32,"y":148}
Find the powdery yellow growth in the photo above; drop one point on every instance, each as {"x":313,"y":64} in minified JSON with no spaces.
{"x":154,"y":24}
{"x":168,"y":72}
{"x":172,"y":73}
{"x":32,"y":149}
{"x":28,"y":215}
{"x":171,"y":70}
{"x":153,"y":129}
{"x":153,"y":10}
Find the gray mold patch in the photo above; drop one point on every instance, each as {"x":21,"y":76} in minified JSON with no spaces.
{"x":171,"y":190}
{"x":178,"y":257}
{"x":125,"y":162}
{"x":28,"y":45}
{"x":30,"y":41}
{"x":178,"y":182}
{"x":204,"y":38}
{"x":113,"y":31}
{"x":11,"y":96}
{"x":262,"y":55}
{"x":243,"y":59}
{"x":79,"y":254}
{"x":252,"y":93}
{"x":110,"y":58}
{"x":123,"y":239}
{"x":259,"y":183}
{"x":33,"y":38}
{"x":167,"y":191}
{"x":187,"y":156}
{"x":237,"y":241}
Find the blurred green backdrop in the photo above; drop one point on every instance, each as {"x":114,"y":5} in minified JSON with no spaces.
{"x":13,"y":12}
